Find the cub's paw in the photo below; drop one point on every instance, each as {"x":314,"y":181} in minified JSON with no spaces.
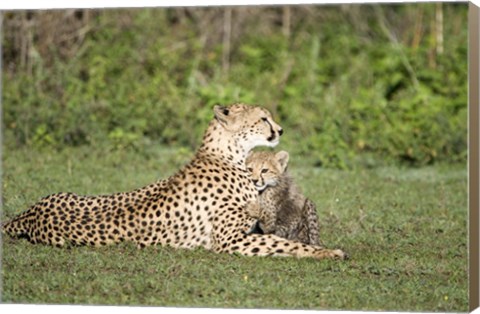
{"x":253,"y":210}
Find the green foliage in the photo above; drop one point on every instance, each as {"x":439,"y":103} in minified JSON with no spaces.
{"x":344,"y":92}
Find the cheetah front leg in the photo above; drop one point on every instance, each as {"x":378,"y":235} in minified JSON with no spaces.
{"x":266,"y":216}
{"x":268,"y":221}
{"x":272,"y":245}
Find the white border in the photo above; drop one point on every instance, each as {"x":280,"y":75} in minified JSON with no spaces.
{"x":55,"y":4}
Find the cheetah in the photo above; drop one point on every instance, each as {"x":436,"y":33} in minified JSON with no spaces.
{"x":202,"y":205}
{"x":282,"y":209}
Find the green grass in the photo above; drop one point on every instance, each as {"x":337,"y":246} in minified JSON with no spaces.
{"x":405,"y":230}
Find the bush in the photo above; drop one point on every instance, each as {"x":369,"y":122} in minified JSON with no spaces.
{"x":345,"y":93}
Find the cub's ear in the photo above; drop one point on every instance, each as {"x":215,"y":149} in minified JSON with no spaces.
{"x":282,"y":158}
{"x":222,"y":113}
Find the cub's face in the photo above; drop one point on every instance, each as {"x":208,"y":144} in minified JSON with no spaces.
{"x":266,"y":168}
{"x":252,"y":126}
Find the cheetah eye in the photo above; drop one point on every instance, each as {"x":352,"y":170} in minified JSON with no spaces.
{"x":250,"y":169}
{"x":265,"y":120}
{"x":264,"y":170}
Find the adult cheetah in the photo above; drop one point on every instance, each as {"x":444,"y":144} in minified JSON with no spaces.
{"x":203,"y":204}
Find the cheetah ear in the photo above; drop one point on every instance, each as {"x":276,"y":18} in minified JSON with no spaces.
{"x":282,"y":158}
{"x":222,"y":114}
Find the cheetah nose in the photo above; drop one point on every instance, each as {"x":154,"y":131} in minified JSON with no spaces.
{"x":280,"y":132}
{"x":255,"y":181}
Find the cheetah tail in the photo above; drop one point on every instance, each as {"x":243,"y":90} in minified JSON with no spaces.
{"x":17,"y":226}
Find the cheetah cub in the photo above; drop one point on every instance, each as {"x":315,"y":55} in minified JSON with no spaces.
{"x":281,"y":208}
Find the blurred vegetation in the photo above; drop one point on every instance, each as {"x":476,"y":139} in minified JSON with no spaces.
{"x":352,"y":85}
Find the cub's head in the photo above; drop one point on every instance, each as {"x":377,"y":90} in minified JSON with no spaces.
{"x":266,"y":168}
{"x":251,"y":126}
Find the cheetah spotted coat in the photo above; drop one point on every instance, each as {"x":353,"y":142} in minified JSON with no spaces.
{"x":203,"y":204}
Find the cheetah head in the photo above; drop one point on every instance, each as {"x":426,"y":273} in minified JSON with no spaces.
{"x":251,"y":126}
{"x":266,"y":168}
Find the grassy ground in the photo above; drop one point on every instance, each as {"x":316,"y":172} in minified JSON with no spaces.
{"x":405,"y":230}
